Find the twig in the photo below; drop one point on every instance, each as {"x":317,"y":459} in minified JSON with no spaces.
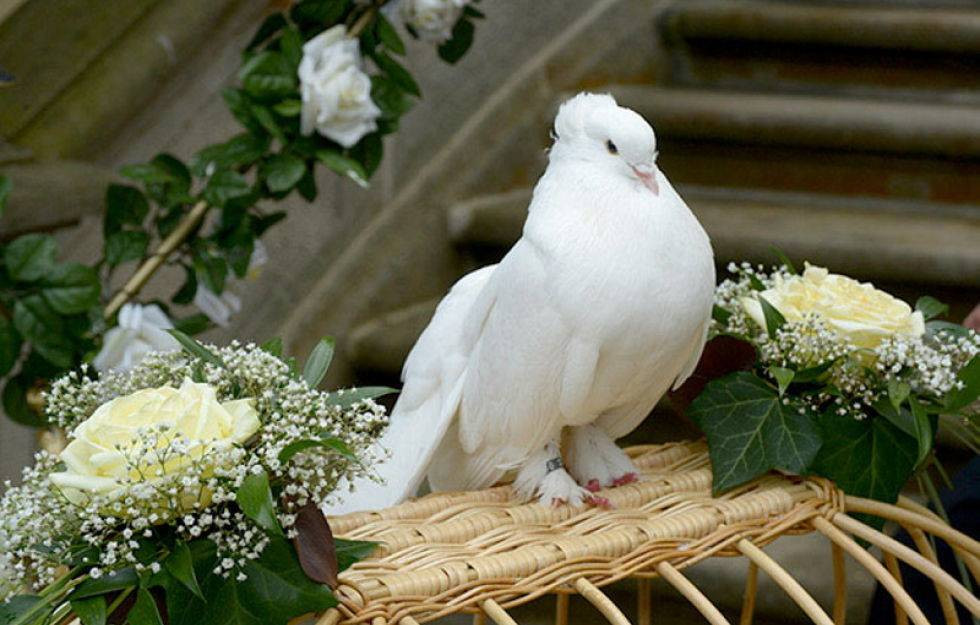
{"x":150,"y":266}
{"x":365,"y":19}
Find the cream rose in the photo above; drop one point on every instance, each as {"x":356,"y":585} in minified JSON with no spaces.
{"x":433,"y":20}
{"x":96,"y":458}
{"x":335,"y":91}
{"x":856,"y":311}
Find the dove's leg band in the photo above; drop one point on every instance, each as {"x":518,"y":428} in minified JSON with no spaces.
{"x":553,"y":464}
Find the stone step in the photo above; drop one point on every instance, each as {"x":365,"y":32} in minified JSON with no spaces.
{"x":926,"y":52}
{"x":891,"y":241}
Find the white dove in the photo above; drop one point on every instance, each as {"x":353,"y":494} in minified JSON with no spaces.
{"x":568,"y":342}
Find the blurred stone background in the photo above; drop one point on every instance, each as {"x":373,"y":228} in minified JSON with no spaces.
{"x":846,"y":133}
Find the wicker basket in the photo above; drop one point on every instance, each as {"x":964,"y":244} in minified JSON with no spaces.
{"x":483,"y":552}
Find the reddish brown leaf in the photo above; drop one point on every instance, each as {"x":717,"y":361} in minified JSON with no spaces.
{"x":722,"y":355}
{"x":314,"y":546}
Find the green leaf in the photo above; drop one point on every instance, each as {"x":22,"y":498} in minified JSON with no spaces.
{"x":288,"y":108}
{"x":15,"y":404}
{"x":343,"y":165}
{"x":720,"y":315}
{"x":269,"y":27}
{"x":30,"y":257}
{"x":193,"y":324}
{"x":91,"y":611}
{"x":254,"y":497}
{"x":457,"y":46}
{"x":124,"y":205}
{"x":243,"y":149}
{"x":126,"y":245}
{"x":187,"y":291}
{"x":784,"y":260}
{"x":268,"y":76}
{"x":868,"y":458}
{"x":282,"y":172}
{"x":398,"y":74}
{"x":275,"y":590}
{"x":117,"y":580}
{"x":9,"y":346}
{"x":180,"y":564}
{"x":774,"y":318}
{"x":240,"y":106}
{"x":924,"y":434}
{"x":750,"y":431}
{"x":195,"y":349}
{"x":811,"y":374}
{"x":320,"y":11}
{"x":24,"y":609}
{"x":211,"y":269}
{"x":389,"y":36}
{"x":152,"y":172}
{"x":318,"y":362}
{"x":930,"y":307}
{"x":368,"y":152}
{"x":144,"y":611}
{"x":390,"y":99}
{"x":969,"y":376}
{"x":783,"y":377}
{"x":898,"y":392}
{"x":264,"y":116}
{"x":37,"y":322}
{"x":273,"y":346}
{"x":5,"y":187}
{"x":934,"y":327}
{"x":351,"y":551}
{"x":328,"y":442}
{"x":71,"y":288}
{"x":225,"y":185}
{"x":345,"y":398}
{"x":291,"y":45}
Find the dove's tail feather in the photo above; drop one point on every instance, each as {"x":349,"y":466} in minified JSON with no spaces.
{"x":434,"y":374}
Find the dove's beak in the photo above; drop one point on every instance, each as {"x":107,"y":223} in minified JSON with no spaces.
{"x":647,"y":174}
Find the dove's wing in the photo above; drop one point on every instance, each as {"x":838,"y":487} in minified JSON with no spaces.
{"x":433,"y":375}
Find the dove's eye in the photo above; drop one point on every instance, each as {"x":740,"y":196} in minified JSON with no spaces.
{"x":611,"y":147}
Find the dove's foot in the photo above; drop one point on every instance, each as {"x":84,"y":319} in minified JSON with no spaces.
{"x":596,"y":461}
{"x":543,"y":476}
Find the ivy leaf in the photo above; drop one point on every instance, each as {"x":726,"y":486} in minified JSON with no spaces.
{"x":195,"y":349}
{"x":144,"y":611}
{"x":282,"y":172}
{"x":126,"y":245}
{"x":460,"y":42}
{"x":344,"y":165}
{"x":268,"y":76}
{"x":930,"y":307}
{"x":5,"y":187}
{"x":783,"y":377}
{"x":319,"y":361}
{"x":91,"y":611}
{"x":398,"y":74}
{"x":868,"y":458}
{"x":774,"y":318}
{"x":9,"y":346}
{"x":71,"y":288}
{"x":180,"y":564}
{"x":30,"y":257}
{"x":351,"y":551}
{"x":327,"y":442}
{"x":969,"y":375}
{"x":124,"y":205}
{"x":345,"y":398}
{"x":389,"y":36}
{"x":254,"y":497}
{"x":225,"y":185}
{"x":750,"y":431}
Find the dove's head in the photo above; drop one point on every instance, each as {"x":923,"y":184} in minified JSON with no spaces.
{"x":593,"y":128}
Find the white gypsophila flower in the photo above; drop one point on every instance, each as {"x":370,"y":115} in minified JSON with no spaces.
{"x":141,"y":329}
{"x":433,"y":20}
{"x":173,"y":478}
{"x":335,"y":91}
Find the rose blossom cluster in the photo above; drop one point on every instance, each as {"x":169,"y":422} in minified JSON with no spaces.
{"x":855,"y":340}
{"x":167,"y":445}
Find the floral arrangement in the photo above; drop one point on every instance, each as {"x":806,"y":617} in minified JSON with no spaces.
{"x":840,"y":380}
{"x":188,"y":492}
{"x":319,"y":85}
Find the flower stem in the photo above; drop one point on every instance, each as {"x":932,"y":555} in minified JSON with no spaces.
{"x":118,"y":600}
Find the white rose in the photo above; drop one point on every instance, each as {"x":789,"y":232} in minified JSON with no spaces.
{"x":433,"y":20}
{"x":96,"y":458}
{"x":856,"y":311}
{"x":141,"y":330}
{"x":335,"y":90}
